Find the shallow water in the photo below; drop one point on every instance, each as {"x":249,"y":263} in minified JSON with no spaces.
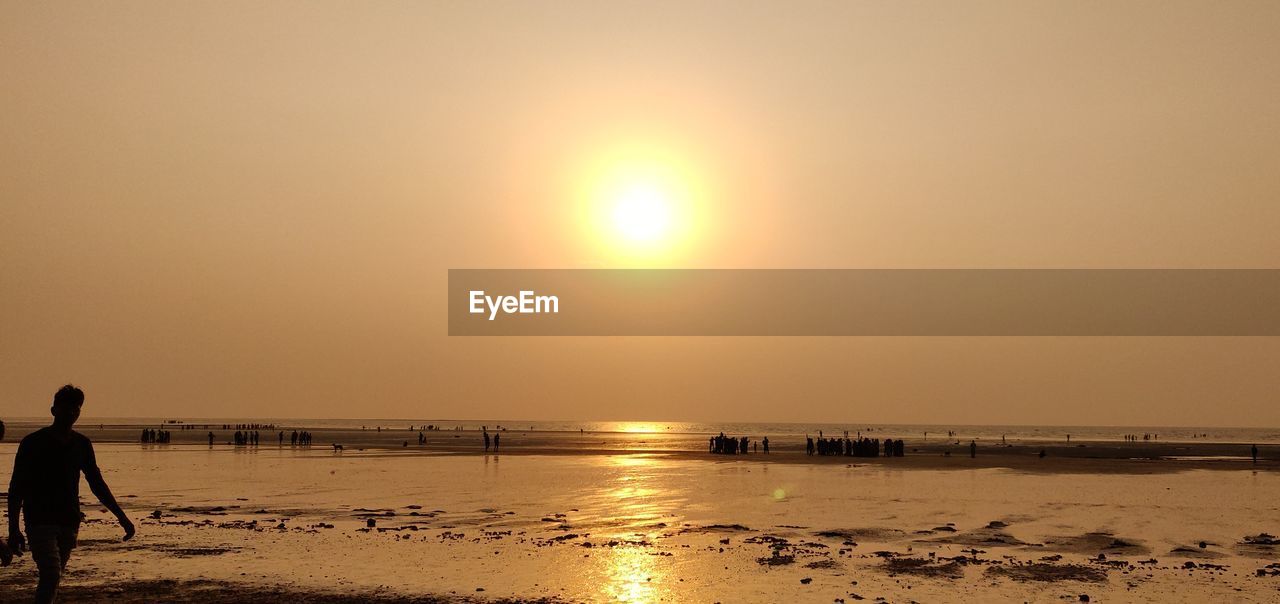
{"x":655,"y":525}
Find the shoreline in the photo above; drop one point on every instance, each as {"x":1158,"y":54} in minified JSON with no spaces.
{"x":935,"y":453}
{"x":1078,"y":458}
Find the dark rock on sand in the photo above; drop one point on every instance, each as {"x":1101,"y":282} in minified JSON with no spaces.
{"x":866,"y":534}
{"x":1096,"y":542}
{"x":923,"y":567}
{"x":1262,"y":539}
{"x":1048,"y":572}
{"x":777,"y":559}
{"x":823,"y":564}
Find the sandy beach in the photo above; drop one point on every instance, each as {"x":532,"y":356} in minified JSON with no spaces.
{"x":568,"y":522}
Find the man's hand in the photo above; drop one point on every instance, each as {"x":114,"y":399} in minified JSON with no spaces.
{"x":127,"y":525}
{"x":17,"y":543}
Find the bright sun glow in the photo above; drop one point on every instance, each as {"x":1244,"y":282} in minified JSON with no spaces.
{"x":642,"y":213}
{"x":642,"y":206}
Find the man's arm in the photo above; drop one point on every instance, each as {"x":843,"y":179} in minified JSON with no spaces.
{"x":18,"y":492}
{"x":100,"y":489}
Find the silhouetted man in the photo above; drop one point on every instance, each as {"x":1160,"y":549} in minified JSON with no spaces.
{"x":6,"y":556}
{"x":1254,"y":450}
{"x":46,"y":488}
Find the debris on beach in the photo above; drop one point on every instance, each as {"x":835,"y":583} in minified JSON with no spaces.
{"x":1096,"y":542}
{"x":1261,"y":539}
{"x":923,"y":567}
{"x":777,"y":559}
{"x":1038,"y":571}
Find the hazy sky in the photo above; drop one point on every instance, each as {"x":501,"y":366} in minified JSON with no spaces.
{"x":248,"y":209}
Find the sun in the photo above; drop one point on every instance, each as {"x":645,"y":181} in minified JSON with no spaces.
{"x":641,"y":208}
{"x":642,"y":213}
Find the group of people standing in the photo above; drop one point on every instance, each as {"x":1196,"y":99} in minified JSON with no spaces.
{"x":152,"y":435}
{"x":249,"y":426}
{"x":854,"y":447}
{"x":730,"y":445}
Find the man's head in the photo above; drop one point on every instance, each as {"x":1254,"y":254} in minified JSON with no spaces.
{"x":66,"y":405}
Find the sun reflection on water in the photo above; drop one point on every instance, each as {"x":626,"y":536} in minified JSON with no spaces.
{"x":635,"y":571}
{"x":633,"y":575}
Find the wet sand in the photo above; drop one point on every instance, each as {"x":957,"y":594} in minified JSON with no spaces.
{"x":227,"y":523}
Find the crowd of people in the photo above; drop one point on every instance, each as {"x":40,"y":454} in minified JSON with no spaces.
{"x":730,"y":445}
{"x":248,"y":426}
{"x":858,"y":446}
{"x":854,"y":447}
{"x":152,"y":435}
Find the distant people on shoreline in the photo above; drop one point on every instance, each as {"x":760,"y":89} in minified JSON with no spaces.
{"x":153,"y":436}
{"x":728,"y":445}
{"x":824,"y":446}
{"x":248,"y":426}
{"x":299,"y":439}
{"x":859,"y":446}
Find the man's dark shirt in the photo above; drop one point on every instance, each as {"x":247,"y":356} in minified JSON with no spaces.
{"x":46,"y":472}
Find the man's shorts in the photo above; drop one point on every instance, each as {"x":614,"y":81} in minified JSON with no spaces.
{"x":51,"y":544}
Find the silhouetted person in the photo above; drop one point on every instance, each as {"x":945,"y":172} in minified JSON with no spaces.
{"x":6,"y":556}
{"x":1253,"y":450}
{"x":45,"y":488}
{"x":210,"y":438}
{"x":486,"y":440}
{"x":765,"y":442}
{"x":973,"y":448}
{"x":495,"y":442}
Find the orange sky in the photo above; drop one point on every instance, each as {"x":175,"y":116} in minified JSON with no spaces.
{"x":248,"y":209}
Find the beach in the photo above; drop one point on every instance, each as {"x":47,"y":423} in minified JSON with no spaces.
{"x":592,"y":517}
